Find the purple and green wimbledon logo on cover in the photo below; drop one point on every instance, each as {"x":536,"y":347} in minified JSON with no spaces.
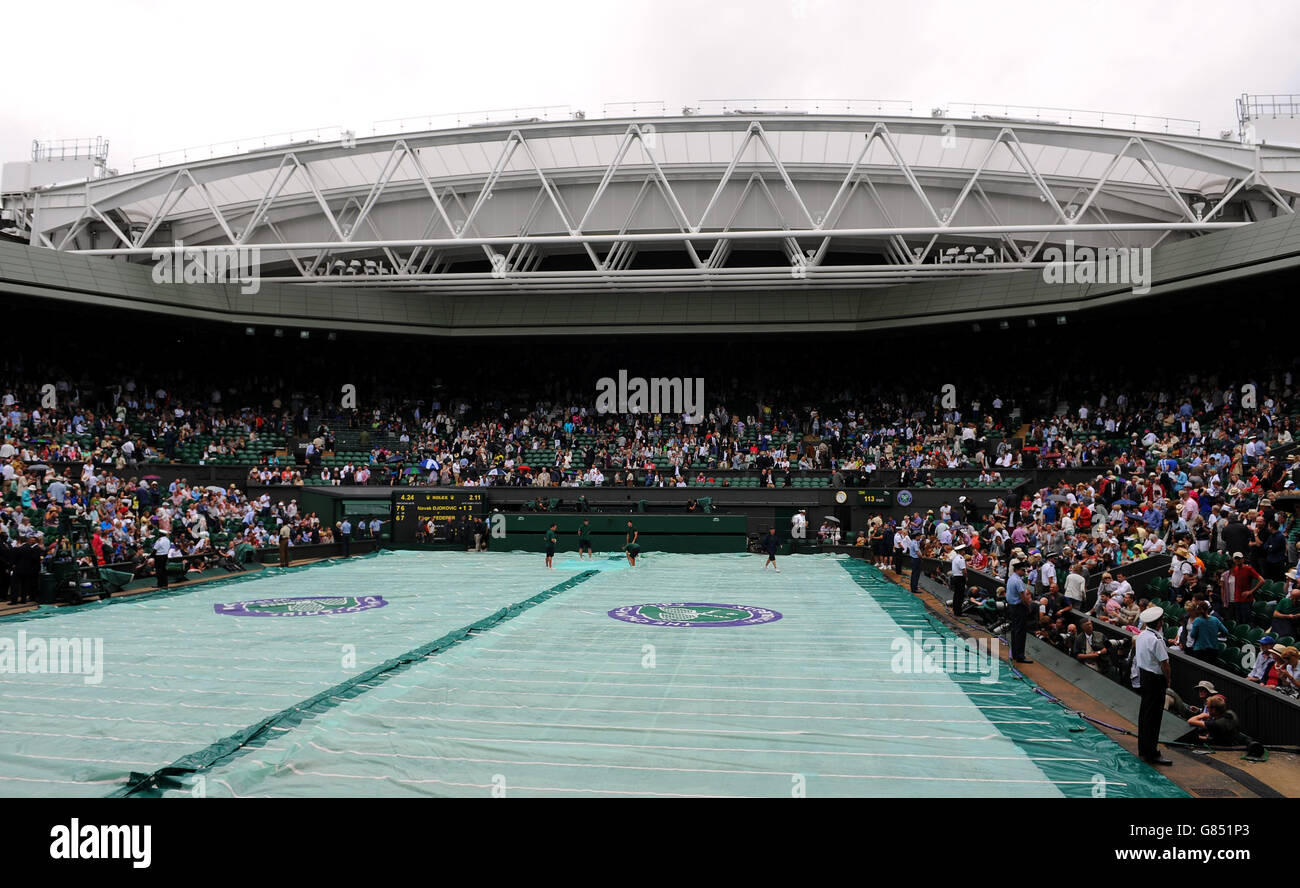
{"x":301,"y":607}
{"x":689,"y":613}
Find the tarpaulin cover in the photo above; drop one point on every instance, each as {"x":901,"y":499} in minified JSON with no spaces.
{"x":177,"y":676}
{"x":556,"y":697}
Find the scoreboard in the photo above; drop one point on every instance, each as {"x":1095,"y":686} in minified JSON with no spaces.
{"x":879,"y":498}
{"x":411,"y":509}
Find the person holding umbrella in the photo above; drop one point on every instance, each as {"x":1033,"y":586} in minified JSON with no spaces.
{"x":832,"y":528}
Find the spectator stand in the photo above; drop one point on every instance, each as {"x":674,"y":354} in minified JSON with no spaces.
{"x":1263,"y":713}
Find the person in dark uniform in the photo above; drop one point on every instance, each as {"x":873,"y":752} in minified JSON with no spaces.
{"x":551,"y":539}
{"x":345,"y":535}
{"x":771,"y":543}
{"x":1018,"y":610}
{"x":481,"y":534}
{"x":26,"y":572}
{"x":584,"y":539}
{"x":6,"y":567}
{"x":1151,"y":663}
{"x":632,"y":547}
{"x":914,"y":554}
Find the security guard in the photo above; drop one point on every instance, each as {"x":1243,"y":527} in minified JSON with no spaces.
{"x":1018,"y":610}
{"x":345,"y":535}
{"x":1151,"y":661}
{"x":957,"y":580}
{"x":914,"y":552}
{"x":162,"y":547}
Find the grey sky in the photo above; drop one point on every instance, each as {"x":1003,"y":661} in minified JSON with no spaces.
{"x":152,"y":75}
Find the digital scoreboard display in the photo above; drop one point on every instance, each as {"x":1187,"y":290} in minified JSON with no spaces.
{"x":413,"y":509}
{"x":879,"y":497}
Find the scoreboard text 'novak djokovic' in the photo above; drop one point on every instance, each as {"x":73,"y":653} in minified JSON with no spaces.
{"x":411,"y":509}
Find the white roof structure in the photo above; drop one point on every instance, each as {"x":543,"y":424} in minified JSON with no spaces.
{"x":738,"y":199}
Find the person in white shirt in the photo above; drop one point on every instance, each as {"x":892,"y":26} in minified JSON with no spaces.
{"x":799,"y":525}
{"x":1182,"y":567}
{"x":1047,"y":574}
{"x":1123,"y":586}
{"x":1074,"y":586}
{"x":162,"y":548}
{"x":1151,"y":667}
{"x":957,"y":579}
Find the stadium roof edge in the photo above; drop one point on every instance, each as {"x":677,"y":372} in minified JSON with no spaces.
{"x":1240,"y":253}
{"x":1046,"y":132}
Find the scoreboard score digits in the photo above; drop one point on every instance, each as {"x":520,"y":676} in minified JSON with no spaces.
{"x":414,"y":508}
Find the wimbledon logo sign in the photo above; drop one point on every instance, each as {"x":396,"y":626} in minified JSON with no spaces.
{"x":685,"y":614}
{"x":301,"y":607}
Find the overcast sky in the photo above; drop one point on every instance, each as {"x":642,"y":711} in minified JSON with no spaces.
{"x":155,"y":75}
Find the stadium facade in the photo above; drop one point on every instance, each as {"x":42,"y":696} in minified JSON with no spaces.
{"x":760,"y":218}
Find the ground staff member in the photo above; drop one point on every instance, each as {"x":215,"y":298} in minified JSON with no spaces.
{"x":285,"y":531}
{"x":771,"y":544}
{"x":584,"y":539}
{"x":551,"y":539}
{"x":632,"y":547}
{"x":1018,"y":611}
{"x":1151,"y":660}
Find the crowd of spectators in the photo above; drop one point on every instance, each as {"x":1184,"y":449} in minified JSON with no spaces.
{"x":880,"y":434}
{"x":101,"y":519}
{"x":1214,"y":515}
